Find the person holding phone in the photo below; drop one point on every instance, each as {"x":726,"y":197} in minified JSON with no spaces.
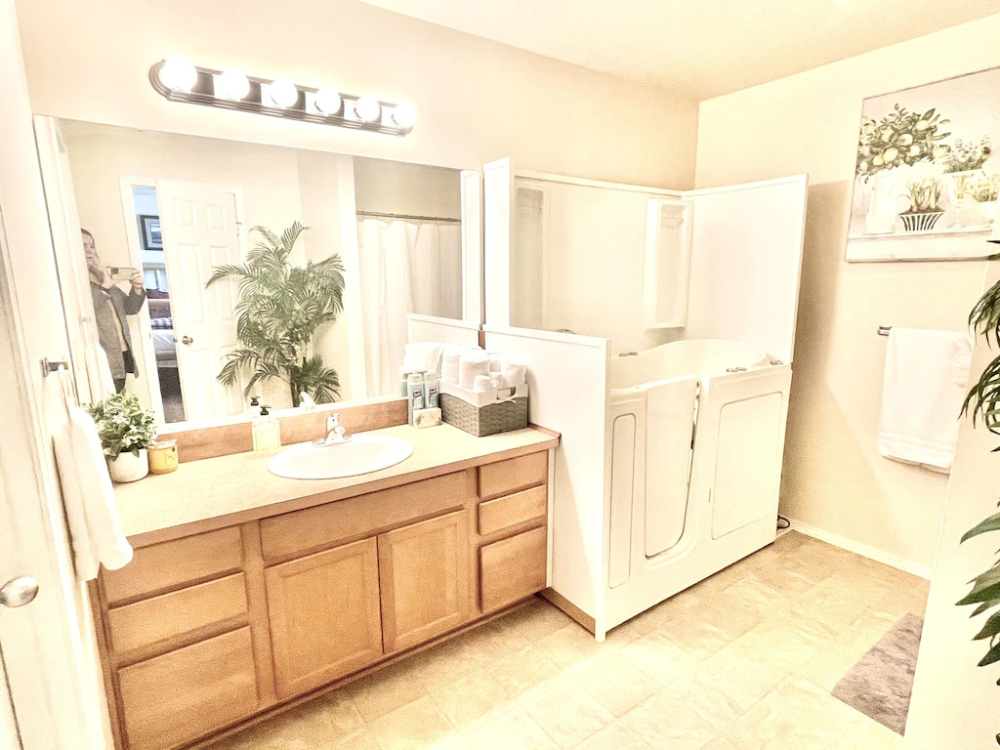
{"x":111,"y":306}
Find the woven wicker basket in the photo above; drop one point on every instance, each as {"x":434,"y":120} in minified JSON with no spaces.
{"x":502,"y":416}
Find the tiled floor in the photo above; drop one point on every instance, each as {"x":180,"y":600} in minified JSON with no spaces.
{"x":745,"y":660}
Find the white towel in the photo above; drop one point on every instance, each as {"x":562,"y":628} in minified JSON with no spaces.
{"x":482,"y":384}
{"x":514,"y":374}
{"x":423,"y":357}
{"x":98,"y":373}
{"x":496,"y":362}
{"x":923,"y":388}
{"x":89,"y":497}
{"x":449,"y":363}
{"x":472,"y":363}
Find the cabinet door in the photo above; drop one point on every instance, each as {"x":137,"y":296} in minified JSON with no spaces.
{"x":424,"y":573}
{"x":324,"y":612}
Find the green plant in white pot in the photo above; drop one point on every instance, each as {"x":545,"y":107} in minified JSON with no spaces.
{"x":125,"y":427}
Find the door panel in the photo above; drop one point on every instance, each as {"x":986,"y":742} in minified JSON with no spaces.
{"x":324,"y":613}
{"x":424,"y":574}
{"x":201,"y":231}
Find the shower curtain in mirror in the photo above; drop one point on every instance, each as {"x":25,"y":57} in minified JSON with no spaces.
{"x":406,"y":267}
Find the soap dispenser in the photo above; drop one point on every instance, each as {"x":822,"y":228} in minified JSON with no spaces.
{"x":266,"y":432}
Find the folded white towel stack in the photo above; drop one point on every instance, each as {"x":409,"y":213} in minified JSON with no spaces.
{"x":449,"y":363}
{"x":922,"y":393}
{"x":423,"y":357}
{"x":88,"y":497}
{"x":473,"y":362}
{"x":496,"y":362}
{"x":482,"y":384}
{"x":496,"y":380}
{"x":514,"y":374}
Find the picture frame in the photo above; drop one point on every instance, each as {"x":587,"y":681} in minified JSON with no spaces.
{"x":152,"y":237}
{"x":927,"y":172}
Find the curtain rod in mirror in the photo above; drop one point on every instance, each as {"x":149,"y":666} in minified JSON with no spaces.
{"x":408,"y":217}
{"x":178,"y":80}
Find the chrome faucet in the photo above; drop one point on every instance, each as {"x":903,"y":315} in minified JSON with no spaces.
{"x":335,"y":431}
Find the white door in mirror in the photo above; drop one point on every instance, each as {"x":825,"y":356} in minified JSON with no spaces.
{"x":362,"y":455}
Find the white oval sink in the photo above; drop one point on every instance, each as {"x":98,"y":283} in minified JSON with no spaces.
{"x":362,"y":454}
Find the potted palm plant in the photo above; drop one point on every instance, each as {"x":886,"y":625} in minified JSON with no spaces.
{"x":126,"y":428}
{"x":280,"y":309}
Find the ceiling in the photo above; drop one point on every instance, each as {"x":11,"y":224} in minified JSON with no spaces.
{"x":702,"y":48}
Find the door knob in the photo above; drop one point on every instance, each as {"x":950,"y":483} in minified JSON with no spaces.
{"x":18,"y":591}
{"x":187,"y":340}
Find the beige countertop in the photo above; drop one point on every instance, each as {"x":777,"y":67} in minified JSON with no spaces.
{"x":217,"y":492}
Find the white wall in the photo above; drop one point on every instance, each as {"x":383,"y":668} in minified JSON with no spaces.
{"x":477,"y":100}
{"x":833,"y":477}
{"x":384,"y":186}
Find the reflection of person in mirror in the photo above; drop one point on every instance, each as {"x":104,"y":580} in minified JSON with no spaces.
{"x":111,"y":306}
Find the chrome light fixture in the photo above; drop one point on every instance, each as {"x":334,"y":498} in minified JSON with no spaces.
{"x":178,"y":80}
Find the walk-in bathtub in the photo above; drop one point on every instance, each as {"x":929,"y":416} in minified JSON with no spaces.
{"x":696,"y":433}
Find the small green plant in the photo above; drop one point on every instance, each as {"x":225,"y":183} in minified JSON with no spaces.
{"x":966,"y":155}
{"x":924,"y":194}
{"x":978,"y":186}
{"x":281,"y":306}
{"x":124,"y":424}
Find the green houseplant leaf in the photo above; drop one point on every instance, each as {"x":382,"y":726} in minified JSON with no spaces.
{"x":280,"y":309}
{"x":123,"y":424}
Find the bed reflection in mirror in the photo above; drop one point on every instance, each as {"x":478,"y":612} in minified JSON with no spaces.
{"x":220,"y":271}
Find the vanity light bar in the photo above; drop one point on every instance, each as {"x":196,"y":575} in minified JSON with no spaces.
{"x":178,"y":80}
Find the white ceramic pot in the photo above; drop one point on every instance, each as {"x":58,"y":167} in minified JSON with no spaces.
{"x":129,"y":468}
{"x":881,"y":217}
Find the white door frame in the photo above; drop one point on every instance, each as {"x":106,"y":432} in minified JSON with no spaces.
{"x":50,"y":656}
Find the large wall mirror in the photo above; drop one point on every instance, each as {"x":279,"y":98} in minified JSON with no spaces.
{"x":209,"y":271}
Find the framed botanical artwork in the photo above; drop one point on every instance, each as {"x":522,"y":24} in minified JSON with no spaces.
{"x":151,"y":237}
{"x":927,"y":174}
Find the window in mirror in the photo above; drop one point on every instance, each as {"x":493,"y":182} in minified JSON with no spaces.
{"x":163,"y":212}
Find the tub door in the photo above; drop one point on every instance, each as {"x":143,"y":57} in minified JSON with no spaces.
{"x":669,"y":430}
{"x":746,"y":422}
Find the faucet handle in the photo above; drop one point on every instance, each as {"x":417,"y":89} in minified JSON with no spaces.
{"x":333,"y":421}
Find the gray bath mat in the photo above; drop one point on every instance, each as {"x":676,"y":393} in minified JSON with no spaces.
{"x":879,"y":684}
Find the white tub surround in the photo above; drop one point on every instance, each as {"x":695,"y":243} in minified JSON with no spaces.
{"x":669,"y":469}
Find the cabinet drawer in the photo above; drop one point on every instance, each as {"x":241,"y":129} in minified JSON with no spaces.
{"x":182,"y":695}
{"x":170,"y":615}
{"x":511,"y":510}
{"x":171,"y":564}
{"x":513,"y":569}
{"x":512,"y":475}
{"x":325,"y":525}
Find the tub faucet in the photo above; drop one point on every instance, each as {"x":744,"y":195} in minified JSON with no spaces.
{"x":335,"y":431}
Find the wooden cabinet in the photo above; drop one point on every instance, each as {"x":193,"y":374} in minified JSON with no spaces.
{"x":202,"y":632}
{"x":424,"y":577}
{"x":179,"y":696}
{"x":324,"y":614}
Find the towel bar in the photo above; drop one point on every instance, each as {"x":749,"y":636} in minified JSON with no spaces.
{"x":884,"y":330}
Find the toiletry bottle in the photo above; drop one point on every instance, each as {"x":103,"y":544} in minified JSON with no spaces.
{"x":266,"y":433}
{"x":414,"y":394}
{"x":431,"y":390}
{"x":254,"y":409}
{"x":404,"y":375}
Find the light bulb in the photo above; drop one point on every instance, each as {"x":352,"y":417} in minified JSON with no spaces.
{"x":232,"y":84}
{"x":283,"y":93}
{"x":178,"y":74}
{"x":328,"y":101}
{"x":368,"y":108}
{"x":404,"y":115}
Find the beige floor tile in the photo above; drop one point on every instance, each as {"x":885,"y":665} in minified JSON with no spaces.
{"x":729,"y":614}
{"x":615,"y":737}
{"x":746,"y":674}
{"x":513,"y":731}
{"x":473,"y":700}
{"x":657,"y":657}
{"x":614,"y":682}
{"x":720,"y":743}
{"x":829,"y":664}
{"x":870,"y":735}
{"x":524,"y":672}
{"x":567,"y":713}
{"x":757,"y":596}
{"x":660,"y":724}
{"x":797,"y":716}
{"x":419,"y":724}
{"x":788,"y":638}
{"x":535,"y":620}
{"x":705,"y":694}
{"x":386,"y":690}
{"x":569,"y":646}
{"x":692,"y":633}
{"x":316,"y":724}
{"x":361,"y":740}
{"x":443,"y":664}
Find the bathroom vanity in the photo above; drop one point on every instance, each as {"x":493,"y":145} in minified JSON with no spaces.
{"x":248,"y":590}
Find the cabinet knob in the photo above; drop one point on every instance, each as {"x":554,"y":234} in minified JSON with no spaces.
{"x":18,"y":591}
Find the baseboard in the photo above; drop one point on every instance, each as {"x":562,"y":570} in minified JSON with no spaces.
{"x":907,"y":566}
